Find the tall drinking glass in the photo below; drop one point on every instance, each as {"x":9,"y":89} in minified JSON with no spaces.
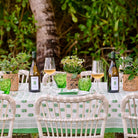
{"x":97,"y":72}
{"x":49,"y":66}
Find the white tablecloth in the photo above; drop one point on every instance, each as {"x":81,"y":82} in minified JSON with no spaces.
{"x":25,"y":117}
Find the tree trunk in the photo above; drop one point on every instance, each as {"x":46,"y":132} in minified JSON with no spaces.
{"x":46,"y":37}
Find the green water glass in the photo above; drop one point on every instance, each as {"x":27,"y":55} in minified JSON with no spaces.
{"x":84,"y":84}
{"x":60,"y":80}
{"x":5,"y":85}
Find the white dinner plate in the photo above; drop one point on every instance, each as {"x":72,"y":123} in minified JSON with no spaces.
{"x":81,"y":93}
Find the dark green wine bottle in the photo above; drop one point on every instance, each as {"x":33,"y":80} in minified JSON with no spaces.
{"x":113,"y":76}
{"x":34,"y":75}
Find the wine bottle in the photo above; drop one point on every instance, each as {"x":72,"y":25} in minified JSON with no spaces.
{"x":113,"y":76}
{"x":34,"y":75}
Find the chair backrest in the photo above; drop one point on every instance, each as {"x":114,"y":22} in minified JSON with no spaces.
{"x":49,"y":78}
{"x":129,"y":113}
{"x":80,"y":116}
{"x":121,"y":77}
{"x":23,"y":76}
{"x":7,"y":114}
{"x":85,"y":74}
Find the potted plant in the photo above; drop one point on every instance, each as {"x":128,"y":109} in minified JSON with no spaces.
{"x":130,"y":73}
{"x":11,"y":65}
{"x":73,"y":66}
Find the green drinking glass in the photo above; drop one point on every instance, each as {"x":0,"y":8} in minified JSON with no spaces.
{"x":60,"y":80}
{"x":5,"y":85}
{"x":84,"y":84}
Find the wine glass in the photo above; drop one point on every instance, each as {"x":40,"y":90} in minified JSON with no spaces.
{"x":97,"y":71}
{"x":49,"y":66}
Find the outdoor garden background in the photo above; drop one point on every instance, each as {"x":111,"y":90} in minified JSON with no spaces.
{"x":90,"y":29}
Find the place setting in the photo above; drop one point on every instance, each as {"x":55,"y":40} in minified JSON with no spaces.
{"x":68,"y":82}
{"x":59,"y":86}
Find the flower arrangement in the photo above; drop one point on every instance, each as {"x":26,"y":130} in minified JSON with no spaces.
{"x":72,"y":64}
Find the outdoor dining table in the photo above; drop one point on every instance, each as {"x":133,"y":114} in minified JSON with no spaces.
{"x":25,"y":114}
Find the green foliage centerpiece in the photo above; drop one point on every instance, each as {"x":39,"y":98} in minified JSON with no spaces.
{"x":73,"y":66}
{"x":11,"y":65}
{"x":130,"y":73}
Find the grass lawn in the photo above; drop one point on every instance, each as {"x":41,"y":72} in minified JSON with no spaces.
{"x":109,"y":135}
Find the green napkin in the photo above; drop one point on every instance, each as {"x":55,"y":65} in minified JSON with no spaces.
{"x":68,"y":93}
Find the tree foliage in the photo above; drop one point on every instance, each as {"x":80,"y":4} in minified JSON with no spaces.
{"x":88,"y":28}
{"x":17,"y":29}
{"x":102,"y":24}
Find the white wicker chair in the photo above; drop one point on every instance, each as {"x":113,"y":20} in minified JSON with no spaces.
{"x":23,"y":76}
{"x":7,"y":114}
{"x":121,"y":77}
{"x":129,"y":113}
{"x":72,"y":116}
{"x":49,"y":78}
{"x":86,"y":74}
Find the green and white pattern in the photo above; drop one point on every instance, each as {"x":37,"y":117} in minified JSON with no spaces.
{"x":25,"y":116}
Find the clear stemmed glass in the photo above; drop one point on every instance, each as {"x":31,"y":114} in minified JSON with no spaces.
{"x":49,"y":66}
{"x":121,"y":68}
{"x":97,"y":71}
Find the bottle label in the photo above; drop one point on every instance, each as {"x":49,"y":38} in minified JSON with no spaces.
{"x":114,"y":83}
{"x":34,"y":83}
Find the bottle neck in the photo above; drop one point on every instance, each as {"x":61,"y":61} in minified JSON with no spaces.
{"x":34,"y":69}
{"x":113,"y":62}
{"x":34,"y":59}
{"x":113,"y":59}
{"x":33,"y":63}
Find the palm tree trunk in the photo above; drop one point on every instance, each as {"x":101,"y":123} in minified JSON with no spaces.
{"x":46,"y":37}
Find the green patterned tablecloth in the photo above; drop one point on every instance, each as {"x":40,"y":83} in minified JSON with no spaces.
{"x":25,"y":117}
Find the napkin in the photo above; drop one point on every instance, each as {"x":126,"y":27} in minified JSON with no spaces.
{"x":68,"y":93}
